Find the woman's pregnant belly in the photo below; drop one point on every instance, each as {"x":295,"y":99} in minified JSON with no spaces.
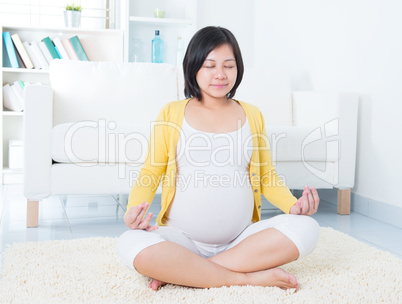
{"x":212,"y":208}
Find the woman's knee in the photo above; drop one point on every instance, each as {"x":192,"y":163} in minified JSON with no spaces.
{"x":308,"y":224}
{"x":125,"y":247}
{"x":308,"y":230}
{"x":132,"y":242}
{"x":303,"y":230}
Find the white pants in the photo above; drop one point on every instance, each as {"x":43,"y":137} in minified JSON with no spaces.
{"x":302,"y":230}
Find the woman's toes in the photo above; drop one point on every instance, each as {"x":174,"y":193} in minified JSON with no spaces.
{"x":155,"y":284}
{"x":292,"y":280}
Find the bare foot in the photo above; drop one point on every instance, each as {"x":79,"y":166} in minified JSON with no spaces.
{"x":273,"y":277}
{"x":155,"y":284}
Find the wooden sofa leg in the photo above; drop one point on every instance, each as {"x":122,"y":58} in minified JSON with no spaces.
{"x":344,"y":201}
{"x":32,"y":213}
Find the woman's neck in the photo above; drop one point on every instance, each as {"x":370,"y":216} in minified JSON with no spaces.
{"x":214,"y":103}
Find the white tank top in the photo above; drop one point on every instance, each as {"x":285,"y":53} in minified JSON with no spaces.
{"x":214,"y":201}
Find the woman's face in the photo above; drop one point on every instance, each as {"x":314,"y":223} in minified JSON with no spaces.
{"x":218,"y":74}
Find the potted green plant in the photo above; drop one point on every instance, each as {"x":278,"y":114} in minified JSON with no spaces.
{"x":72,"y":15}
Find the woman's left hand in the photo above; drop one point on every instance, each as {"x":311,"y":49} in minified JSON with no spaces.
{"x":307,"y":204}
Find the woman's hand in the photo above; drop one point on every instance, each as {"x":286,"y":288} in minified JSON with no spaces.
{"x":134,"y":218}
{"x":307,"y":204}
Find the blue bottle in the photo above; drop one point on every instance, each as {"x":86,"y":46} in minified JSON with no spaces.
{"x":157,"y":48}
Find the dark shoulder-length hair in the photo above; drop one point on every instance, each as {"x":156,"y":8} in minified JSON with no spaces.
{"x":203,"y":42}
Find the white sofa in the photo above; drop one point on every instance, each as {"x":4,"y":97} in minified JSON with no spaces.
{"x":88,"y":132}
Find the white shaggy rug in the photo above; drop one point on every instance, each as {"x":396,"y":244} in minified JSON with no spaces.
{"x":341,"y":270}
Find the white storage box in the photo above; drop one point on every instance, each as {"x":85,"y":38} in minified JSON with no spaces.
{"x":15,"y":154}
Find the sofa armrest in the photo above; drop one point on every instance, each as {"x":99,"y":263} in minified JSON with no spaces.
{"x":37,"y":135}
{"x":335,"y":115}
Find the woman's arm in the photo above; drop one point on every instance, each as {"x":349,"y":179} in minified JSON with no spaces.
{"x":272,"y":186}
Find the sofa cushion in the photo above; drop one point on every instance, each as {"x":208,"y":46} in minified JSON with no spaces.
{"x":100,"y":142}
{"x":303,"y":144}
{"x":71,"y":178}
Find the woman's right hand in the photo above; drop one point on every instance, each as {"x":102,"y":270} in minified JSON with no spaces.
{"x":134,"y":218}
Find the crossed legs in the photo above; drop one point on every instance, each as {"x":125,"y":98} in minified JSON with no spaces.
{"x":252,"y":262}
{"x":252,"y":259}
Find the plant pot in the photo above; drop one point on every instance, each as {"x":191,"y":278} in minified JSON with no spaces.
{"x":72,"y":18}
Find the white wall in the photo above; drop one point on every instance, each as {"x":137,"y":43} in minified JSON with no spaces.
{"x":349,"y":45}
{"x":236,"y":15}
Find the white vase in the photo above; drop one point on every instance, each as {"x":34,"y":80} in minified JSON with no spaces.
{"x":72,"y":18}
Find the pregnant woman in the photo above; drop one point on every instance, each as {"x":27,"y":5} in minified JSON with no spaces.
{"x":212,"y":155}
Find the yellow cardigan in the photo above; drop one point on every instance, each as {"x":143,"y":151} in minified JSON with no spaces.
{"x":161,"y":161}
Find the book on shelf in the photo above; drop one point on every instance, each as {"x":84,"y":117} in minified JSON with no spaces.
{"x":45,"y":51}
{"x":6,"y":60}
{"x":78,"y":48}
{"x":22,"y":84}
{"x":12,"y":56}
{"x":58,"y":53}
{"x":22,"y":51}
{"x":19,"y":94}
{"x":38,"y":54}
{"x":20,"y":62}
{"x":34,"y":59}
{"x":60,"y":48}
{"x":10,"y":100}
{"x":19,"y":87}
{"x":69,"y":49}
{"x":51,"y":47}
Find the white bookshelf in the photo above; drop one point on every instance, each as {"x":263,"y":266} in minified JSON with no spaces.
{"x":24,"y":71}
{"x":161,"y":21}
{"x":99,"y":44}
{"x":139,"y":25}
